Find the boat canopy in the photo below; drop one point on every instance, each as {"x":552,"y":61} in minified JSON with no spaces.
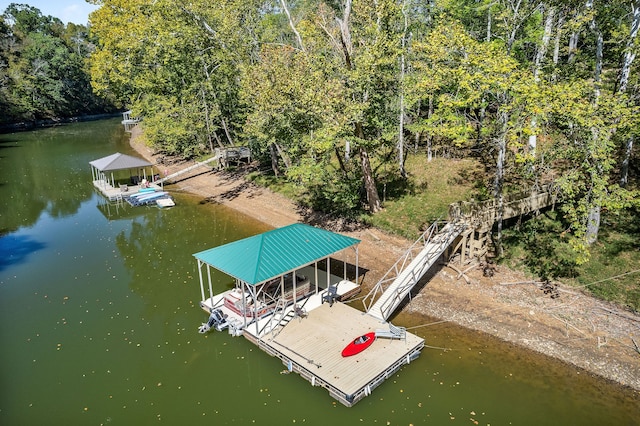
{"x":262,"y":257}
{"x":119,"y":161}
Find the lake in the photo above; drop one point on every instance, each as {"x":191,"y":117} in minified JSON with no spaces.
{"x":99,"y":316}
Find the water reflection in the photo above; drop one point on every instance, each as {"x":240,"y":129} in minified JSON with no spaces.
{"x":39,"y":179}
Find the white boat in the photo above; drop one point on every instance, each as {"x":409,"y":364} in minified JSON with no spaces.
{"x":165,"y":202}
{"x":148,"y":198}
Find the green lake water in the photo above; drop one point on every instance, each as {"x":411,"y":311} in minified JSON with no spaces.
{"x":99,"y":316}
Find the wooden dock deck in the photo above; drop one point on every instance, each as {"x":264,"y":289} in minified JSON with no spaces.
{"x":117,"y":194}
{"x":311,"y":346}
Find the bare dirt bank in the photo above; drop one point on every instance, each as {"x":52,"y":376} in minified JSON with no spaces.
{"x":577,"y":329}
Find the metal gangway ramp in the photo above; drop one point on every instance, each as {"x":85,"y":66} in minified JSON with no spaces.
{"x":187,"y":170}
{"x":222,"y":156}
{"x":396,"y":284}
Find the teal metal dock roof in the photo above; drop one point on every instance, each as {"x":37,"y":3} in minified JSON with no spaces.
{"x":271,"y":254}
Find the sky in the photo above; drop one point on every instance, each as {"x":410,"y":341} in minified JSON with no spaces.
{"x":76,"y":11}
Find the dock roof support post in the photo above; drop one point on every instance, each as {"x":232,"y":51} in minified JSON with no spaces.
{"x":200,"y":275}
{"x":344,"y":265}
{"x":328,"y":272}
{"x":245,"y":288}
{"x":255,"y":310}
{"x":316,"y":275}
{"x":253,"y":292}
{"x":282,"y":288}
{"x":357,"y":272}
{"x":210,"y":287}
{"x":293,"y":281}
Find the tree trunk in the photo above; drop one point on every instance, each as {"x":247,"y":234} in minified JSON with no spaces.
{"x":274,"y":159}
{"x":429,"y":137}
{"x":629,"y":56}
{"x":401,"y":168}
{"x":373,"y":200}
{"x":599,"y":51}
{"x":217,"y":138}
{"x":624,"y":175}
{"x":204,"y":100}
{"x":593,"y":225}
{"x":369,"y":183}
{"x":630,"y":52}
{"x":540,"y":54}
{"x":206,"y":119}
{"x":488,"y":39}
{"x":291,"y":24}
{"x":593,"y":217}
{"x":556,"y":45}
{"x":573,"y":45}
{"x":431,"y":6}
{"x":226,"y":131}
{"x":544,"y":44}
{"x":285,"y":158}
{"x":343,"y":168}
{"x":498,"y":182}
{"x":599,"y":56}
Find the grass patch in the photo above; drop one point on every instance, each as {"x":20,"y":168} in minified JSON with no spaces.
{"x":616,"y":254}
{"x":412,"y":205}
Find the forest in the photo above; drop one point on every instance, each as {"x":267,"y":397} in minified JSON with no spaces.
{"x":335,"y":97}
{"x":44,"y":70}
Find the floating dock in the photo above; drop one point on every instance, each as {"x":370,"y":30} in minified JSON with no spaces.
{"x":311,"y":346}
{"x":129,"y":192}
{"x":287,"y":301}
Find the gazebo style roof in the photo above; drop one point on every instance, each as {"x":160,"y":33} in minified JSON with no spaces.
{"x":119,"y":161}
{"x":259,"y":258}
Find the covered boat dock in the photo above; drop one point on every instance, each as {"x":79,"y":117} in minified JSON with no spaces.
{"x":307,"y":329}
{"x":104,"y":175}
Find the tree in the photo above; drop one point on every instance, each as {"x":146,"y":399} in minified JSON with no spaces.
{"x":43,"y":73}
{"x":479,"y":98}
{"x":585,"y":157}
{"x":188,"y":53}
{"x":627,"y":63}
{"x":350,"y":55}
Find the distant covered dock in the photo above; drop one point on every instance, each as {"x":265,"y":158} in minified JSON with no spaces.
{"x":105,"y":177}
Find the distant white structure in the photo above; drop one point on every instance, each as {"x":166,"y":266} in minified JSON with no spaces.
{"x":128,"y":121}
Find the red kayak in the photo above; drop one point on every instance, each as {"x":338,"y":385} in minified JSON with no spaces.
{"x":359,"y":345}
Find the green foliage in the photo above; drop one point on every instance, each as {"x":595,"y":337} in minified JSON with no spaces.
{"x":186,"y":54}
{"x":173,"y":129}
{"x":43,"y":70}
{"x":544,"y":246}
{"x":325,"y":189}
{"x":584,"y":153}
{"x":318,"y":94}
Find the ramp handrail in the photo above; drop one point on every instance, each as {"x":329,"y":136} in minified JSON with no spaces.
{"x":398,"y":267}
{"x":431,"y":235}
{"x":187,"y":169}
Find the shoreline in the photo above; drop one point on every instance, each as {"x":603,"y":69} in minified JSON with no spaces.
{"x":574,"y":328}
{"x":24,"y":126}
